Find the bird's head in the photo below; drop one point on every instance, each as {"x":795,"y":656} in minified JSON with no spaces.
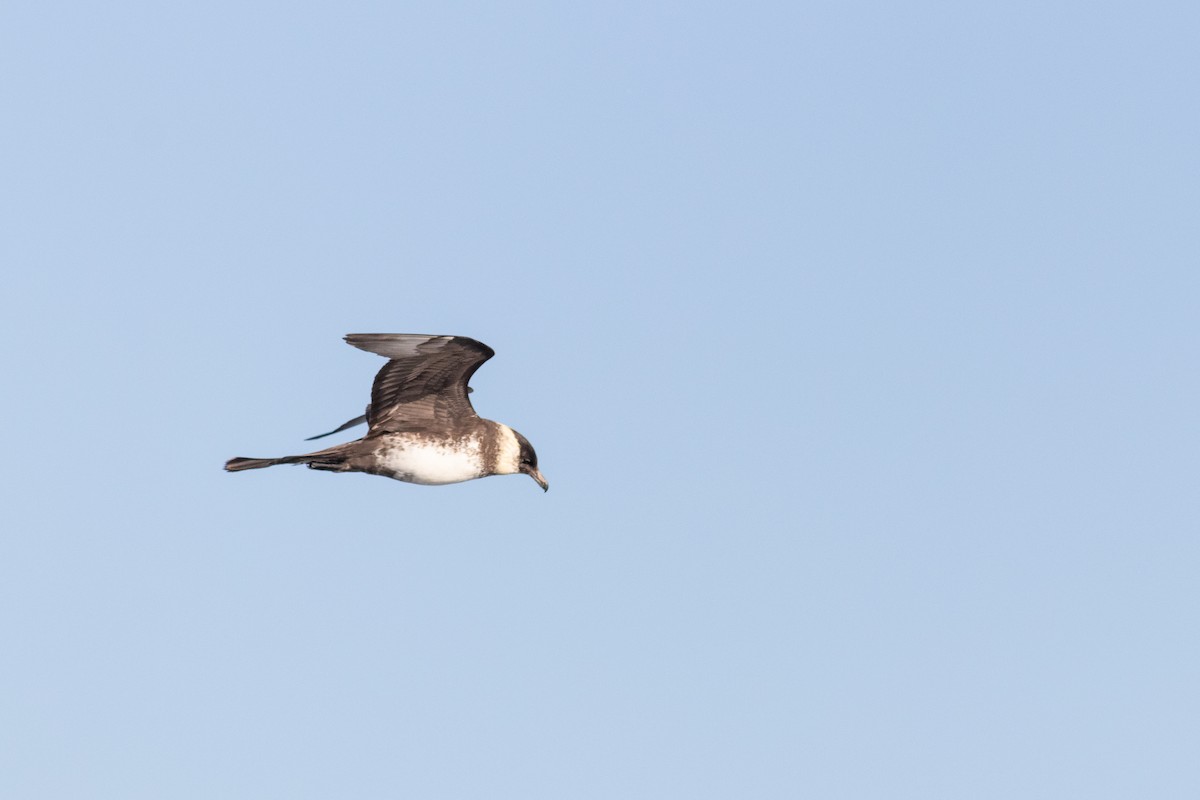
{"x":521,"y":458}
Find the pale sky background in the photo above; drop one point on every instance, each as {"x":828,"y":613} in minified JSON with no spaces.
{"x":858,"y":341}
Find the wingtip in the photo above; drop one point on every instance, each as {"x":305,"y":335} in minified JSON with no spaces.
{"x":344,"y":426}
{"x":405,"y":345}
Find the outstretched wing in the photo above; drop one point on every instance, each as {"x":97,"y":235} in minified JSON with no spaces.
{"x":424,"y":381}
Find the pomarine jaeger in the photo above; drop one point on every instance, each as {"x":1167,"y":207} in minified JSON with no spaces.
{"x":421,"y":427}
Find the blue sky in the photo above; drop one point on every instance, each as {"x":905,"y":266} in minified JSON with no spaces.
{"x":858,"y":342}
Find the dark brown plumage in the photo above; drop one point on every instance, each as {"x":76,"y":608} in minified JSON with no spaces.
{"x":424,"y":381}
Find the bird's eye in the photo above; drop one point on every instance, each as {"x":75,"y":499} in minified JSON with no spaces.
{"x":526,"y":461}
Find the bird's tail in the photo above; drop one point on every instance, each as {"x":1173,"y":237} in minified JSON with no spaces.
{"x":333,"y":459}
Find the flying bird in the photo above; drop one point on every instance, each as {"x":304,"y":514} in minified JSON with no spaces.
{"x":421,"y":426}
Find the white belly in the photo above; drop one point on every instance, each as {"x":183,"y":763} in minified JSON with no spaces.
{"x":415,"y":461}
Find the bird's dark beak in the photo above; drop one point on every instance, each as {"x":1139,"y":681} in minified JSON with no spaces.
{"x":536,"y":474}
